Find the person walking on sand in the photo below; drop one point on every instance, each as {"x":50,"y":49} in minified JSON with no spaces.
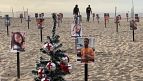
{"x":88,"y":12}
{"x":76,"y":13}
{"x":97,"y":17}
{"x":93,"y":16}
{"x":76,"y":10}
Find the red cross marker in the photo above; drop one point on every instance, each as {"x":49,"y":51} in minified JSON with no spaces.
{"x":40,"y":72}
{"x":49,"y":65}
{"x":49,"y":46}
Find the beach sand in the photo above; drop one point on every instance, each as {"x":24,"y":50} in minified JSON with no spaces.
{"x":117,"y":58}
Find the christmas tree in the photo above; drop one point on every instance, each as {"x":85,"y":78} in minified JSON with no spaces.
{"x":58,"y":65}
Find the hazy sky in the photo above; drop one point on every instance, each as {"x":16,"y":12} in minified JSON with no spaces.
{"x":67,"y":5}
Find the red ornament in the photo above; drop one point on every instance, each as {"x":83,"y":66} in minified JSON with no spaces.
{"x":49,"y":46}
{"x":45,"y":79}
{"x":40,"y":73}
{"x":64,"y":67}
{"x":51,"y":66}
{"x":65,"y":59}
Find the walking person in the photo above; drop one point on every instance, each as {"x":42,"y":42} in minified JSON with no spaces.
{"x":76,"y":13}
{"x":76,"y":10}
{"x":88,"y":12}
{"x":93,"y":16}
{"x":97,"y":17}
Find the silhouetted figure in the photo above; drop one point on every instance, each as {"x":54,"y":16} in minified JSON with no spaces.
{"x":93,"y":16}
{"x":88,"y":12}
{"x":97,"y":17}
{"x":127,"y":16}
{"x":76,"y":10}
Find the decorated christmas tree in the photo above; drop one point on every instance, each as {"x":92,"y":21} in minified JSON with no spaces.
{"x":58,"y":65}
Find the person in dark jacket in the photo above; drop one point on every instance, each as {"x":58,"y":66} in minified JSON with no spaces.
{"x":76,"y":14}
{"x":76,"y":10}
{"x":88,"y":12}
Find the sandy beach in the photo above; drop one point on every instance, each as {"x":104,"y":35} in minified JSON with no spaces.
{"x":117,"y":58}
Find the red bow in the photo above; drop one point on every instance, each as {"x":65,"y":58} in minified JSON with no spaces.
{"x":64,"y":67}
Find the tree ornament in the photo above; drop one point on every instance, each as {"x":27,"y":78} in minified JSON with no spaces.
{"x":40,"y":72}
{"x":51,"y":66}
{"x":45,"y":79}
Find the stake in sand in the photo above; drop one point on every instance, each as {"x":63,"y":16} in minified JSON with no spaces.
{"x":17,"y":46}
{"x":21,"y":17}
{"x":7,"y":23}
{"x":40,"y":25}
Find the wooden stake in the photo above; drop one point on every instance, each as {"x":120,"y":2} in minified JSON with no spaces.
{"x":86,"y":72}
{"x":41,"y":33}
{"x":133,"y":35}
{"x":18,"y":66}
{"x":7,"y":30}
